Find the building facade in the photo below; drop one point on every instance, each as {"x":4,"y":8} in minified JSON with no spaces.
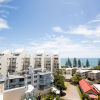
{"x":19,"y":69}
{"x":94,"y":75}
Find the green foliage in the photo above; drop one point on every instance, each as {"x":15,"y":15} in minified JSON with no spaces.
{"x":51,"y":96}
{"x":87,"y":63}
{"x":68,"y":63}
{"x":63,"y":71}
{"x":98,"y":97}
{"x":84,"y":66}
{"x":75,"y":62}
{"x":80,"y":93}
{"x":99,"y":62}
{"x":96,"y":68}
{"x":39,"y":97}
{"x":76,"y":78}
{"x":79,"y":63}
{"x":59,"y":81}
{"x":59,"y":71}
{"x":29,"y":96}
{"x":73,"y":71}
{"x":63,"y":66}
{"x":85,"y":97}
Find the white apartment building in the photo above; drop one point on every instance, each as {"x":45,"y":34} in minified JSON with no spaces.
{"x":46,"y":62}
{"x":38,"y":78}
{"x":20,"y":62}
{"x":83,"y":73}
{"x":4,"y":62}
{"x":19,"y":69}
{"x":13,"y":62}
{"x":94,"y":75}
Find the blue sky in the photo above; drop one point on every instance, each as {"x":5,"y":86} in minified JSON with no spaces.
{"x":68,"y":27}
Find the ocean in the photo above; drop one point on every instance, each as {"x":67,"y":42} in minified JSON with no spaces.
{"x":93,"y":61}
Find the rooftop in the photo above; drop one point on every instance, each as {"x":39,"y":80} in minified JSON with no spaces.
{"x":82,"y":71}
{"x":85,"y":86}
{"x":95,"y":71}
{"x":97,"y":86}
{"x":93,"y":96}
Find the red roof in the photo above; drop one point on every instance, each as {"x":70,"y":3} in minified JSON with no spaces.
{"x":93,"y":96}
{"x":85,"y":86}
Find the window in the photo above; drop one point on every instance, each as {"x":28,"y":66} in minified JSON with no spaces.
{"x":35,"y":81}
{"x":22,"y":79}
{"x":35,"y":76}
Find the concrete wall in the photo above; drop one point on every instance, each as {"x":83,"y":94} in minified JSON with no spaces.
{"x":14,"y":94}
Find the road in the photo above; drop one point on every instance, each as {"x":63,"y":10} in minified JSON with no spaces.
{"x":71,"y":92}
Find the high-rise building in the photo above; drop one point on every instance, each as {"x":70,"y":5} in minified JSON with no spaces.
{"x":20,"y":69}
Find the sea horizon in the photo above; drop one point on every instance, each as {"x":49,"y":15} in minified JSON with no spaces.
{"x":93,"y":61}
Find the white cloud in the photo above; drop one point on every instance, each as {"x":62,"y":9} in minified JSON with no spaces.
{"x":60,"y":44}
{"x":85,"y":41}
{"x":84,"y":30}
{"x":1,"y":1}
{"x":3,"y":24}
{"x":96,"y":41}
{"x":80,"y":30}
{"x":97,"y":19}
{"x":4,"y":13}
{"x":88,"y":29}
{"x":65,"y":46}
{"x":20,"y":50}
{"x":57,"y":29}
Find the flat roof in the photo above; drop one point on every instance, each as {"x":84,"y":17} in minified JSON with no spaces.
{"x":69,"y":68}
{"x":95,"y":71}
{"x":81,"y":71}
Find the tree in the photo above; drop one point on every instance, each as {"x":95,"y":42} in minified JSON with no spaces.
{"x":74,"y":62}
{"x":39,"y":97}
{"x":98,"y":97}
{"x":68,"y":63}
{"x":96,"y":68}
{"x":76,"y":78}
{"x":29,"y":96}
{"x":59,"y":81}
{"x":51,"y":96}
{"x":87,"y":63}
{"x":79,"y":63}
{"x":86,"y":97}
{"x":98,"y":62}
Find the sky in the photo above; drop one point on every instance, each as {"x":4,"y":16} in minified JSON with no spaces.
{"x":68,"y":27}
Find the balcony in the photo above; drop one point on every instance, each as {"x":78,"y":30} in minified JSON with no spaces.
{"x":45,"y":82}
{"x":13,"y":83}
{"x":21,"y":83}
